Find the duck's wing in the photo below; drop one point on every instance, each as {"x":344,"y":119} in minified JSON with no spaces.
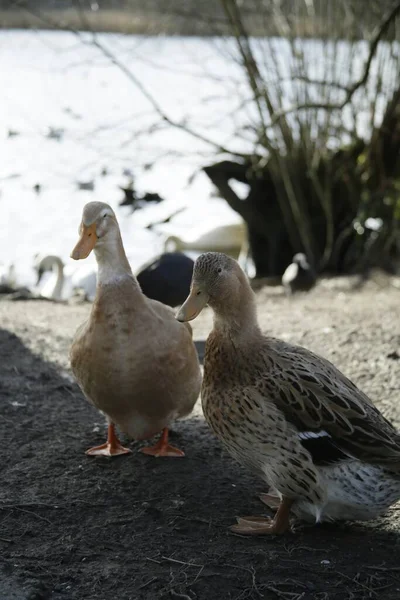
{"x":330,"y":413}
{"x":166,"y":312}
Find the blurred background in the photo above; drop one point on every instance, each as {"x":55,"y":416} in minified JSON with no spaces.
{"x":261,"y":128}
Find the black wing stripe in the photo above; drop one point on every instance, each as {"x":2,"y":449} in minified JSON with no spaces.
{"x":322,"y":449}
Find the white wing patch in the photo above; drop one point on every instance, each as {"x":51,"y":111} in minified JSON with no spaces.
{"x":308,"y":435}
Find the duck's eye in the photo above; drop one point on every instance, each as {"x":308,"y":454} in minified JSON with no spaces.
{"x":104,"y":216}
{"x":219,"y":270}
{"x":198,"y":293}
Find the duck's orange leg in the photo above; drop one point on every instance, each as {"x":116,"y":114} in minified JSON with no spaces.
{"x":264,"y":526}
{"x":112,"y":447}
{"x":162,"y":448}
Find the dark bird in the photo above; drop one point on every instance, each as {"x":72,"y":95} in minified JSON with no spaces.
{"x":166,"y":220}
{"x":152,"y":197}
{"x":167,"y":278}
{"x":55,"y":133}
{"x":85,"y":185}
{"x":299,"y":275}
{"x":131,"y":197}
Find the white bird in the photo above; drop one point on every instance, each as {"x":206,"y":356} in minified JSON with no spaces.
{"x":230,"y":239}
{"x":59,"y":282}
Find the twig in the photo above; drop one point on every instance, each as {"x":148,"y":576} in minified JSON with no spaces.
{"x":174,"y":594}
{"x":384,"y":569}
{"x":147,"y":583}
{"x":198,"y":575}
{"x":250,"y":570}
{"x":352,"y":89}
{"x":285,"y":595}
{"x":42,"y":505}
{"x":128,"y":73}
{"x":30,"y":512}
{"x":180,"y":562}
{"x":158,"y":562}
{"x":354,"y":580}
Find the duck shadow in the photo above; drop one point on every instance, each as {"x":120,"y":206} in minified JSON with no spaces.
{"x":71,"y":526}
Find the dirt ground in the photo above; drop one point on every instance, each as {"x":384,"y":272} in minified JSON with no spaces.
{"x":139,"y":528}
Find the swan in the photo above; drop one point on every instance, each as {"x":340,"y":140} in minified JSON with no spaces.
{"x":59,"y":282}
{"x":231,"y":239}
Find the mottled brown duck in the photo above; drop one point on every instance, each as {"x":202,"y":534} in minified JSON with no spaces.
{"x":132,"y":359}
{"x":287,"y":414}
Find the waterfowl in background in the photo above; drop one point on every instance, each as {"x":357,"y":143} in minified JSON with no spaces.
{"x":132,"y":359}
{"x":287,"y":414}
{"x":299,"y":275}
{"x":57,"y":281}
{"x":8,"y":279}
{"x":167,"y":278}
{"x":49,"y":285}
{"x":231,"y":239}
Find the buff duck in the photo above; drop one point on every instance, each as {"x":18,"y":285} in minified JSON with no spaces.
{"x":288,"y":414}
{"x":132,"y":359}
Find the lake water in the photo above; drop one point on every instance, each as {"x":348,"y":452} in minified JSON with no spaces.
{"x":57,"y":80}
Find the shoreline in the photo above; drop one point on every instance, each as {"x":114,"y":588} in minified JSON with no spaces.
{"x":156,"y":23}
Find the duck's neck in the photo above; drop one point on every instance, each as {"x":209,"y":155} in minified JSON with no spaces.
{"x":113,"y":266}
{"x":237,"y":320}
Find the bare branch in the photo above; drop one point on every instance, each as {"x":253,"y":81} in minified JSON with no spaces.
{"x":352,"y":89}
{"x":309,"y":80}
{"x":221,"y":149}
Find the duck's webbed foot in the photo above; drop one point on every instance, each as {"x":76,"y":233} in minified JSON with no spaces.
{"x":162,"y":448}
{"x":112,"y":447}
{"x":264,"y":525}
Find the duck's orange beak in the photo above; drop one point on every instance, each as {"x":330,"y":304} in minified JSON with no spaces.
{"x":193,"y":305}
{"x":86,"y":242}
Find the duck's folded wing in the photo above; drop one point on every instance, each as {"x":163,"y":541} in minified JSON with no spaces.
{"x":322,"y":448}
{"x":316,"y":397}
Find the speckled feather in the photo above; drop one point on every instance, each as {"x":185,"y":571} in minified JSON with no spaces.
{"x":266,"y":399}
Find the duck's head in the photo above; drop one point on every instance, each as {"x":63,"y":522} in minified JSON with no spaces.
{"x":98,"y":225}
{"x":218,"y":281}
{"x":300,"y":259}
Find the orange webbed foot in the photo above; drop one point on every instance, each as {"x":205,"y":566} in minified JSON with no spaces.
{"x":162,"y":448}
{"x":254,"y":526}
{"x":263,"y":525}
{"x":112,"y":447}
{"x":108,"y":450}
